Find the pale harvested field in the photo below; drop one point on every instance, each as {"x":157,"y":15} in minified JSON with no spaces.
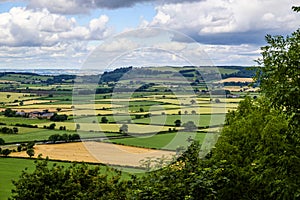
{"x":32,"y":102}
{"x":236,"y":79}
{"x":96,"y":152}
{"x":31,"y":109}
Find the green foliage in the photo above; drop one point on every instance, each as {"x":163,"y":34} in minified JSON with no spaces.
{"x":2,"y":141}
{"x":7,"y":130}
{"x":104,"y":120}
{"x":8,"y":112}
{"x":5,"y":152}
{"x":189,"y":126}
{"x":296,"y":8}
{"x":183,"y":179}
{"x":30,"y":152}
{"x":30,"y":144}
{"x":279,"y":74}
{"x":177,"y":122}
{"x":124,"y":129}
{"x":58,"y":118}
{"x":257,"y":154}
{"x":78,"y":181}
{"x":64,"y":137}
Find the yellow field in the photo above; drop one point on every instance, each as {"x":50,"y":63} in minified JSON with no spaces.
{"x":68,"y":106}
{"x":86,"y":112}
{"x":96,"y":152}
{"x":236,"y":79}
{"x":178,"y":101}
{"x":32,"y":102}
{"x":125,"y":99}
{"x":199,"y":110}
{"x":7,"y":97}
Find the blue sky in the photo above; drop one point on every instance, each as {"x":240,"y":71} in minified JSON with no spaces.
{"x":63,"y":33}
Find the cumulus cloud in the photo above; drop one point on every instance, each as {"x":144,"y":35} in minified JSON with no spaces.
{"x":67,"y":55}
{"x":228,"y":21}
{"x":24,"y":27}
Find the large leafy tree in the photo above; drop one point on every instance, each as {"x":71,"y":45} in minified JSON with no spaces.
{"x":279,"y":75}
{"x":256,"y":154}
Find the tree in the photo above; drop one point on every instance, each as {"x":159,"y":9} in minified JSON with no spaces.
{"x":189,"y":126}
{"x":30,"y":145}
{"x":279,"y":72}
{"x":58,"y":118}
{"x":256,"y":155}
{"x":77,"y":126}
{"x":52,"y":126}
{"x":77,"y":181}
{"x":8,"y":112}
{"x":2,"y":141}
{"x":185,"y":178}
{"x":177,"y":122}
{"x":15,"y":130}
{"x":30,"y":152}
{"x":193,"y":101}
{"x":5,"y":152}
{"x":217,"y":100}
{"x":58,"y":109}
{"x":124,"y":129}
{"x":53,"y":138}
{"x":74,"y":137}
{"x":104,"y":120}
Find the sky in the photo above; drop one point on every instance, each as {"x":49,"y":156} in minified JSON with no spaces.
{"x":65,"y":33}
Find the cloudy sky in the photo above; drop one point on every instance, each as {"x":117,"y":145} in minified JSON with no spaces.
{"x":63,"y":33}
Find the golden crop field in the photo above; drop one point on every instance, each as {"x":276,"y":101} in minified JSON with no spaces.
{"x":237,"y":79}
{"x":96,"y":152}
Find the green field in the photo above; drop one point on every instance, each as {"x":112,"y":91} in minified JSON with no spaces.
{"x":38,"y":134}
{"x":199,"y":120}
{"x":20,"y":120}
{"x":168,"y":141}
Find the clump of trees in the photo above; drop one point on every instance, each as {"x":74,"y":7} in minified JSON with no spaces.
{"x":58,"y":118}
{"x":8,"y":112}
{"x":51,"y":126}
{"x":64,"y":137}
{"x":124,"y":129}
{"x":7,"y":130}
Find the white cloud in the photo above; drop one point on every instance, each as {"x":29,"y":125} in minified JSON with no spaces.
{"x":228,"y":18}
{"x":23,"y":27}
{"x":68,"y":55}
